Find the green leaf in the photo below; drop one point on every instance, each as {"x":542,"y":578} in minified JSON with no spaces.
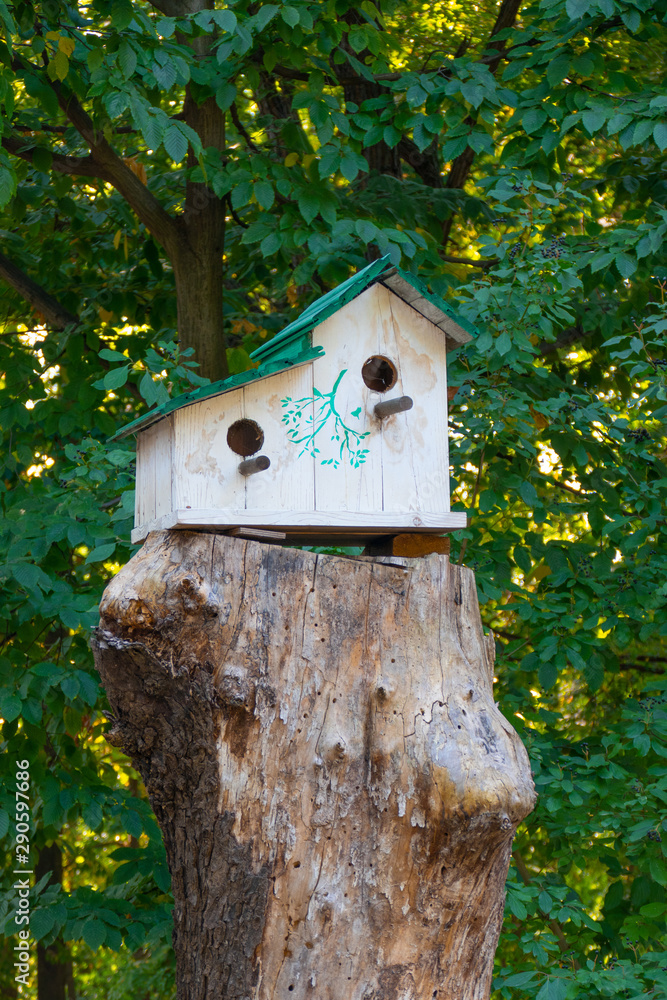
{"x":116,"y":377}
{"x":548,"y":675}
{"x":7,"y":19}
{"x":101,"y":552}
{"x":225,"y":96}
{"x":94,"y":933}
{"x":554,"y":988}
{"x":31,"y":577}
{"x":70,"y":687}
{"x":166,"y":26}
{"x":10,"y":706}
{"x":504,"y":343}
{"x":391,"y":136}
{"x":309,"y":204}
{"x":473,"y":93}
{"x":264,"y":15}
{"x":533,"y":119}
{"x":576,"y":9}
{"x":519,"y":979}
{"x":593,"y":120}
{"x":264,"y":194}
{"x":329,"y":161}
{"x":631,"y":19}
{"x":271,"y":244}
{"x":225,"y":19}
{"x":121,"y":14}
{"x":558,"y":69}
{"x":127,"y":59}
{"x":528,"y":493}
{"x":108,"y":355}
{"x":660,"y":135}
{"x":290,"y":15}
{"x":153,"y":131}
{"x":626,"y":265}
{"x":41,"y":922}
{"x":545,"y":902}
{"x":175,"y":143}
{"x":92,"y":814}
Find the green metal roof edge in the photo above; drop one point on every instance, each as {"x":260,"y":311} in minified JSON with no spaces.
{"x":325,"y":306}
{"x":329,"y":303}
{"x":269,"y":367}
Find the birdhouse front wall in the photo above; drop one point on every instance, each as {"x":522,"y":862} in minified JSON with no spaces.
{"x":399,"y":463}
{"x":334,"y":462}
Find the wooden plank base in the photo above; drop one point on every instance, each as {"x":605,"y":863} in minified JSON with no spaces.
{"x":310,"y":527}
{"x":409,"y":545}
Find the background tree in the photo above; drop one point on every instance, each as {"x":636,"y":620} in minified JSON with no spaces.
{"x":211,"y":169}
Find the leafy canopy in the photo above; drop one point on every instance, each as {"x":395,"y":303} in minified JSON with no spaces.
{"x":252,"y":155}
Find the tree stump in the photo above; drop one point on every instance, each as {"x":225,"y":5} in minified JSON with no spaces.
{"x":337,"y":790}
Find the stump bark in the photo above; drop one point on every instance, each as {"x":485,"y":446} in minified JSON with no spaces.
{"x":337,"y":790}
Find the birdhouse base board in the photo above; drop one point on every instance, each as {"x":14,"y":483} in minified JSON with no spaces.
{"x":310,"y":527}
{"x":408,"y":545}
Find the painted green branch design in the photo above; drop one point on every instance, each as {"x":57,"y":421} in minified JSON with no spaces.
{"x":306,"y":427}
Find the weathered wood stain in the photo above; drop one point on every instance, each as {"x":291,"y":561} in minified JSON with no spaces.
{"x":337,"y":789}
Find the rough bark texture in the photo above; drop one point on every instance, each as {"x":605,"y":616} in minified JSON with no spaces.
{"x":337,"y":790}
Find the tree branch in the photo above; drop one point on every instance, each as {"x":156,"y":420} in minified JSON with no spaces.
{"x":54,"y":314}
{"x":566,"y":339}
{"x":461,"y":166}
{"x":483,"y":264}
{"x":240,"y":127}
{"x":146,"y":206}
{"x":164,"y":228}
{"x":78,"y":166}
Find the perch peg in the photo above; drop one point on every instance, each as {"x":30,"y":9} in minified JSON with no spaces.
{"x":389,"y":406}
{"x":252,"y":465}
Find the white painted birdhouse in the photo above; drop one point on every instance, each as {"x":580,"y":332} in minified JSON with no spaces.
{"x":339,"y":434}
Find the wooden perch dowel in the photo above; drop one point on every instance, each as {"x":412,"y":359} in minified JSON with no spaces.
{"x":252,"y":465}
{"x":337,"y":790}
{"x":389,"y":406}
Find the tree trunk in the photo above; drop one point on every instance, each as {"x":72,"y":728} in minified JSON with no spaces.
{"x":54,"y":963}
{"x":199,"y":291}
{"x":337,"y":790}
{"x":199,"y":269}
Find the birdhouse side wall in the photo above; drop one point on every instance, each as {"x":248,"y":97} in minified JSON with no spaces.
{"x":399,"y":463}
{"x":153,"y":498}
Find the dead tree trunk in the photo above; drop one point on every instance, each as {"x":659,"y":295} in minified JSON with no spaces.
{"x":337,"y":790}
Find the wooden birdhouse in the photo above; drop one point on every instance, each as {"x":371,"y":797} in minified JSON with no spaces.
{"x":339,"y":434}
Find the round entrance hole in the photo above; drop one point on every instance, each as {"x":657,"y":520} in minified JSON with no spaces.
{"x":379,"y":373}
{"x":245,"y":437}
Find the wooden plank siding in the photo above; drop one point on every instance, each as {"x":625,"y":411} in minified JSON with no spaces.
{"x":205,"y":468}
{"x":187,"y":475}
{"x":407,"y":468}
{"x":288,"y":484}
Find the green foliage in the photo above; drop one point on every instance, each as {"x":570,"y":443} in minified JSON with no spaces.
{"x":343,"y":122}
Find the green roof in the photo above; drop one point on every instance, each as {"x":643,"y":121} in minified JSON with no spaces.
{"x":407,"y":286}
{"x":271,"y":367}
{"x":293,"y":345}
